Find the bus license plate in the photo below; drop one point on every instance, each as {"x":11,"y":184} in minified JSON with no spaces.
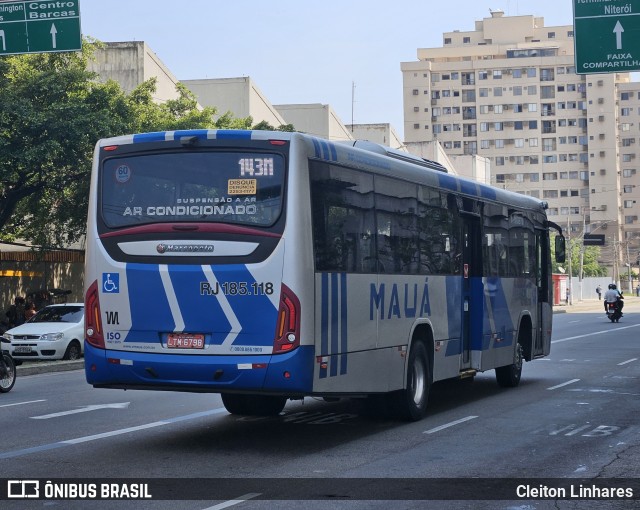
{"x":185,"y":341}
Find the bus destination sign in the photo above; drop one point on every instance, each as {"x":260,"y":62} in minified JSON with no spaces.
{"x":39,"y":26}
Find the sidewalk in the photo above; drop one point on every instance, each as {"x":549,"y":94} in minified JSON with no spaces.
{"x":590,"y":305}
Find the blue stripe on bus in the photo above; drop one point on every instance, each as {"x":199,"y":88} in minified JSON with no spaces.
{"x":202,"y":134}
{"x":324,"y":321}
{"x":476,"y":319}
{"x":316,"y":146}
{"x":343,"y":323}
{"x":145,"y":287}
{"x":447,"y":182}
{"x":256,"y":313}
{"x":233,"y":134}
{"x":334,"y":324}
{"x":469,"y":188}
{"x":158,"y":136}
{"x":501,"y":315}
{"x":488,"y":192}
{"x":325,"y":149}
{"x":334,"y":153}
{"x":200,"y":314}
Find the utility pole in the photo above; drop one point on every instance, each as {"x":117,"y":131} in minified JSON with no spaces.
{"x":570,"y":300}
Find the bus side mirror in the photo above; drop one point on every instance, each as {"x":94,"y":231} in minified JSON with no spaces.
{"x":560,"y":249}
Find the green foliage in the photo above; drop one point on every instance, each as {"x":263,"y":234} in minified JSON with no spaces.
{"x":265,"y":126}
{"x":590,"y":265}
{"x":52,"y":112}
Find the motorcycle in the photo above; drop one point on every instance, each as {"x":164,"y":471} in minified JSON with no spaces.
{"x":613,"y":311}
{"x":7,"y":369}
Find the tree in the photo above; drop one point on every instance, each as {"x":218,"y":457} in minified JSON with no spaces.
{"x":590,"y":265}
{"x":52,"y":112}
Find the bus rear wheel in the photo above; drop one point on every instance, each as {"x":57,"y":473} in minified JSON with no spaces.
{"x":411,"y":403}
{"x":253,"y":405}
{"x":509,"y":376}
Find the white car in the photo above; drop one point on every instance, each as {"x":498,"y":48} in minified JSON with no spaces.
{"x":55,"y":332}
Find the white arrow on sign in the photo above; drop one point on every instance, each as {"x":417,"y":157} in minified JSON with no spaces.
{"x":53,"y":32}
{"x":618,"y":31}
{"x":122,"y":405}
{"x":4,"y":43}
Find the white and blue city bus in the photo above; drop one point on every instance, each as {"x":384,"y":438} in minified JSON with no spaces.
{"x":268,"y":266}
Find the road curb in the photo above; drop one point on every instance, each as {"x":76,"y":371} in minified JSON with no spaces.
{"x":34,"y":368}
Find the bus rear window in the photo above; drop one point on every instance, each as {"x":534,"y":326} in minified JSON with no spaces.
{"x":226,"y":187}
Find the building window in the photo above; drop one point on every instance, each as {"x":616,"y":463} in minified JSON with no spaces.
{"x":547,"y":74}
{"x":497,"y":74}
{"x":466,"y":40}
{"x":628,"y":204}
{"x":550,"y":176}
{"x":628,"y":188}
{"x":447,"y":40}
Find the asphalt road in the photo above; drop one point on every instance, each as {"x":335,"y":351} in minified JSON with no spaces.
{"x":575,"y":416}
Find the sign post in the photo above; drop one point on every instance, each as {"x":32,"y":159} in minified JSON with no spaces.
{"x":606,"y":36}
{"x":39,"y":26}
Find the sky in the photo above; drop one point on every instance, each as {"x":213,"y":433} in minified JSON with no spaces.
{"x":345,"y":53}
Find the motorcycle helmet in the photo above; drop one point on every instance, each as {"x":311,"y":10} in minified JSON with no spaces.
{"x":612,"y":286}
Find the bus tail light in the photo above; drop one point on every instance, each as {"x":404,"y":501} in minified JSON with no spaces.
{"x":92,"y":321}
{"x":288,"y":326}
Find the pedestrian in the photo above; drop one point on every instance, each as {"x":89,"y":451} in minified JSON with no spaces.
{"x":599,"y":292}
{"x":15,"y":313}
{"x":638,"y":290}
{"x":568,"y":294}
{"x":29,"y":311}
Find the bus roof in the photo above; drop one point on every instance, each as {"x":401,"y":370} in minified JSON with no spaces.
{"x":360,"y":154}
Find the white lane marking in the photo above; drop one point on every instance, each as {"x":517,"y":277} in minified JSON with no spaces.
{"x":22,"y":403}
{"x":231,"y":502}
{"x":563,"y":384}
{"x":628,"y":361}
{"x":603,"y":332}
{"x":447,"y":425}
{"x":78,"y":440}
{"x":122,"y":405}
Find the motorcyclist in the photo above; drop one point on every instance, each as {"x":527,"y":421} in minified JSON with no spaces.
{"x":613,"y":295}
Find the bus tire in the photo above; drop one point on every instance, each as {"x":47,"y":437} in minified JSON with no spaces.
{"x":410,"y":404}
{"x":509,"y":376}
{"x":253,"y":405}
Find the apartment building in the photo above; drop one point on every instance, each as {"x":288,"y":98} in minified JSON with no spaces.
{"x":508,"y":91}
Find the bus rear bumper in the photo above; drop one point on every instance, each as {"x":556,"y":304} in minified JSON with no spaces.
{"x":288,"y":374}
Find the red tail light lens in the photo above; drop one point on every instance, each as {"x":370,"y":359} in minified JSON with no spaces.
{"x":92,"y":321}
{"x":287,"y":335}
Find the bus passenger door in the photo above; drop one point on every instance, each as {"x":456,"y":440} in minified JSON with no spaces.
{"x":472,"y":291}
{"x":542,"y":340}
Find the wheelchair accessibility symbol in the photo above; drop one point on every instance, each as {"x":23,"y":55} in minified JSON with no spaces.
{"x":111,"y":283}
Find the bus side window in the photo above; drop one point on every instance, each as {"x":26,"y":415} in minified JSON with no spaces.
{"x":396,"y":221}
{"x":342,"y":218}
